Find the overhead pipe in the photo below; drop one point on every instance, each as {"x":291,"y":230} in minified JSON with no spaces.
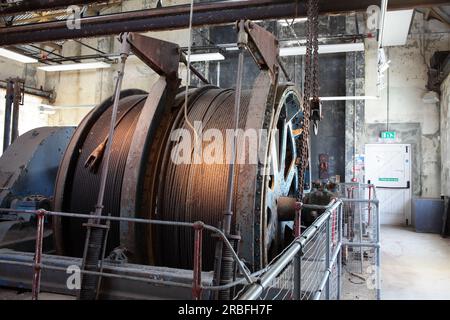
{"x":177,"y":17}
{"x":38,"y":92}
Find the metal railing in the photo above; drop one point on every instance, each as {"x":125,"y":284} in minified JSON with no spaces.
{"x":361,"y":240}
{"x":198,"y":227}
{"x":344,"y":240}
{"x":306,"y":269}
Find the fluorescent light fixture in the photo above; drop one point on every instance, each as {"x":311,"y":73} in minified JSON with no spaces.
{"x":325,"y":48}
{"x":207,"y":57}
{"x":396,"y":27}
{"x":232,"y":48}
{"x":45,"y":109}
{"x":75,"y":66}
{"x":288,"y":22}
{"x":349,"y":98}
{"x":16,"y":56}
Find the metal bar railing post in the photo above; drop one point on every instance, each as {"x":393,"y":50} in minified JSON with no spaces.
{"x":327,"y":257}
{"x":339,"y":265}
{"x":105,"y":240}
{"x":38,"y":255}
{"x":298,"y":257}
{"x":298,"y":275}
{"x":197,"y":283}
{"x":378,"y":260}
{"x":369,"y":206}
{"x":360,"y":226}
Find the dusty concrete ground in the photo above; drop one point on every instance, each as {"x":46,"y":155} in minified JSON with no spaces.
{"x":414,"y":266}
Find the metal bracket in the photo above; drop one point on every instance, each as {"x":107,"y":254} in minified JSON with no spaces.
{"x":162,"y":56}
{"x":262,"y":45}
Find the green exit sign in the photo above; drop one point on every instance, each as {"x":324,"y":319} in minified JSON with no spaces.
{"x":389,"y":135}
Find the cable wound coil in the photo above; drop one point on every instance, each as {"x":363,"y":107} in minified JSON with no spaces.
{"x":81,"y":192}
{"x":195,"y":192}
{"x":170,"y":191}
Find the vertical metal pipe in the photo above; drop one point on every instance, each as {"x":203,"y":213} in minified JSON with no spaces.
{"x":9,"y":98}
{"x":40,"y":215}
{"x":105,"y":165}
{"x":15,"y":114}
{"x":237,"y":106}
{"x":198,"y":238}
{"x":95,"y":235}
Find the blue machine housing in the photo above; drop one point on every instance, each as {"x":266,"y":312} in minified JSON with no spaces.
{"x":30,"y":165}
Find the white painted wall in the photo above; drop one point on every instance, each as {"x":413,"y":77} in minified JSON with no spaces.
{"x":406,"y":87}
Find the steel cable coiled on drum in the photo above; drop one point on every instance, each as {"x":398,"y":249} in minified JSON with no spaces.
{"x":196,"y":192}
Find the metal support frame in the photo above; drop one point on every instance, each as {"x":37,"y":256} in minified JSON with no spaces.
{"x":95,"y":236}
{"x":31,"y":90}
{"x":16,"y":104}
{"x":9,"y":98}
{"x":13,"y":100}
{"x":196,"y":285}
{"x":40,"y":215}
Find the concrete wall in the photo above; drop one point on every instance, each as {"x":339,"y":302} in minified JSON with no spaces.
{"x":401,"y":102}
{"x":445,"y":137}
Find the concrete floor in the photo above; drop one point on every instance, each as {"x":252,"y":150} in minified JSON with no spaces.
{"x":414,"y":265}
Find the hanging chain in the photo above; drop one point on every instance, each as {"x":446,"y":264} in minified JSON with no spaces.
{"x":315,"y":43}
{"x":311,"y":86}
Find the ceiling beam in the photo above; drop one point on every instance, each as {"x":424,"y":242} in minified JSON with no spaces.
{"x":177,"y":17}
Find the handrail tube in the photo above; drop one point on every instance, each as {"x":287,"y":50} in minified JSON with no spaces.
{"x":241,"y":265}
{"x":362,"y":244}
{"x":328,"y":273}
{"x":257,"y":288}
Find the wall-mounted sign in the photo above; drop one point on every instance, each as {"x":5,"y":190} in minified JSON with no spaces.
{"x":388,"y":179}
{"x":388,"y":135}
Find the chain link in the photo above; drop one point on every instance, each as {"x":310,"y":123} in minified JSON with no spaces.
{"x":311,"y":86}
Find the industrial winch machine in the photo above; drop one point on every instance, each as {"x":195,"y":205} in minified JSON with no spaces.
{"x":123,"y":205}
